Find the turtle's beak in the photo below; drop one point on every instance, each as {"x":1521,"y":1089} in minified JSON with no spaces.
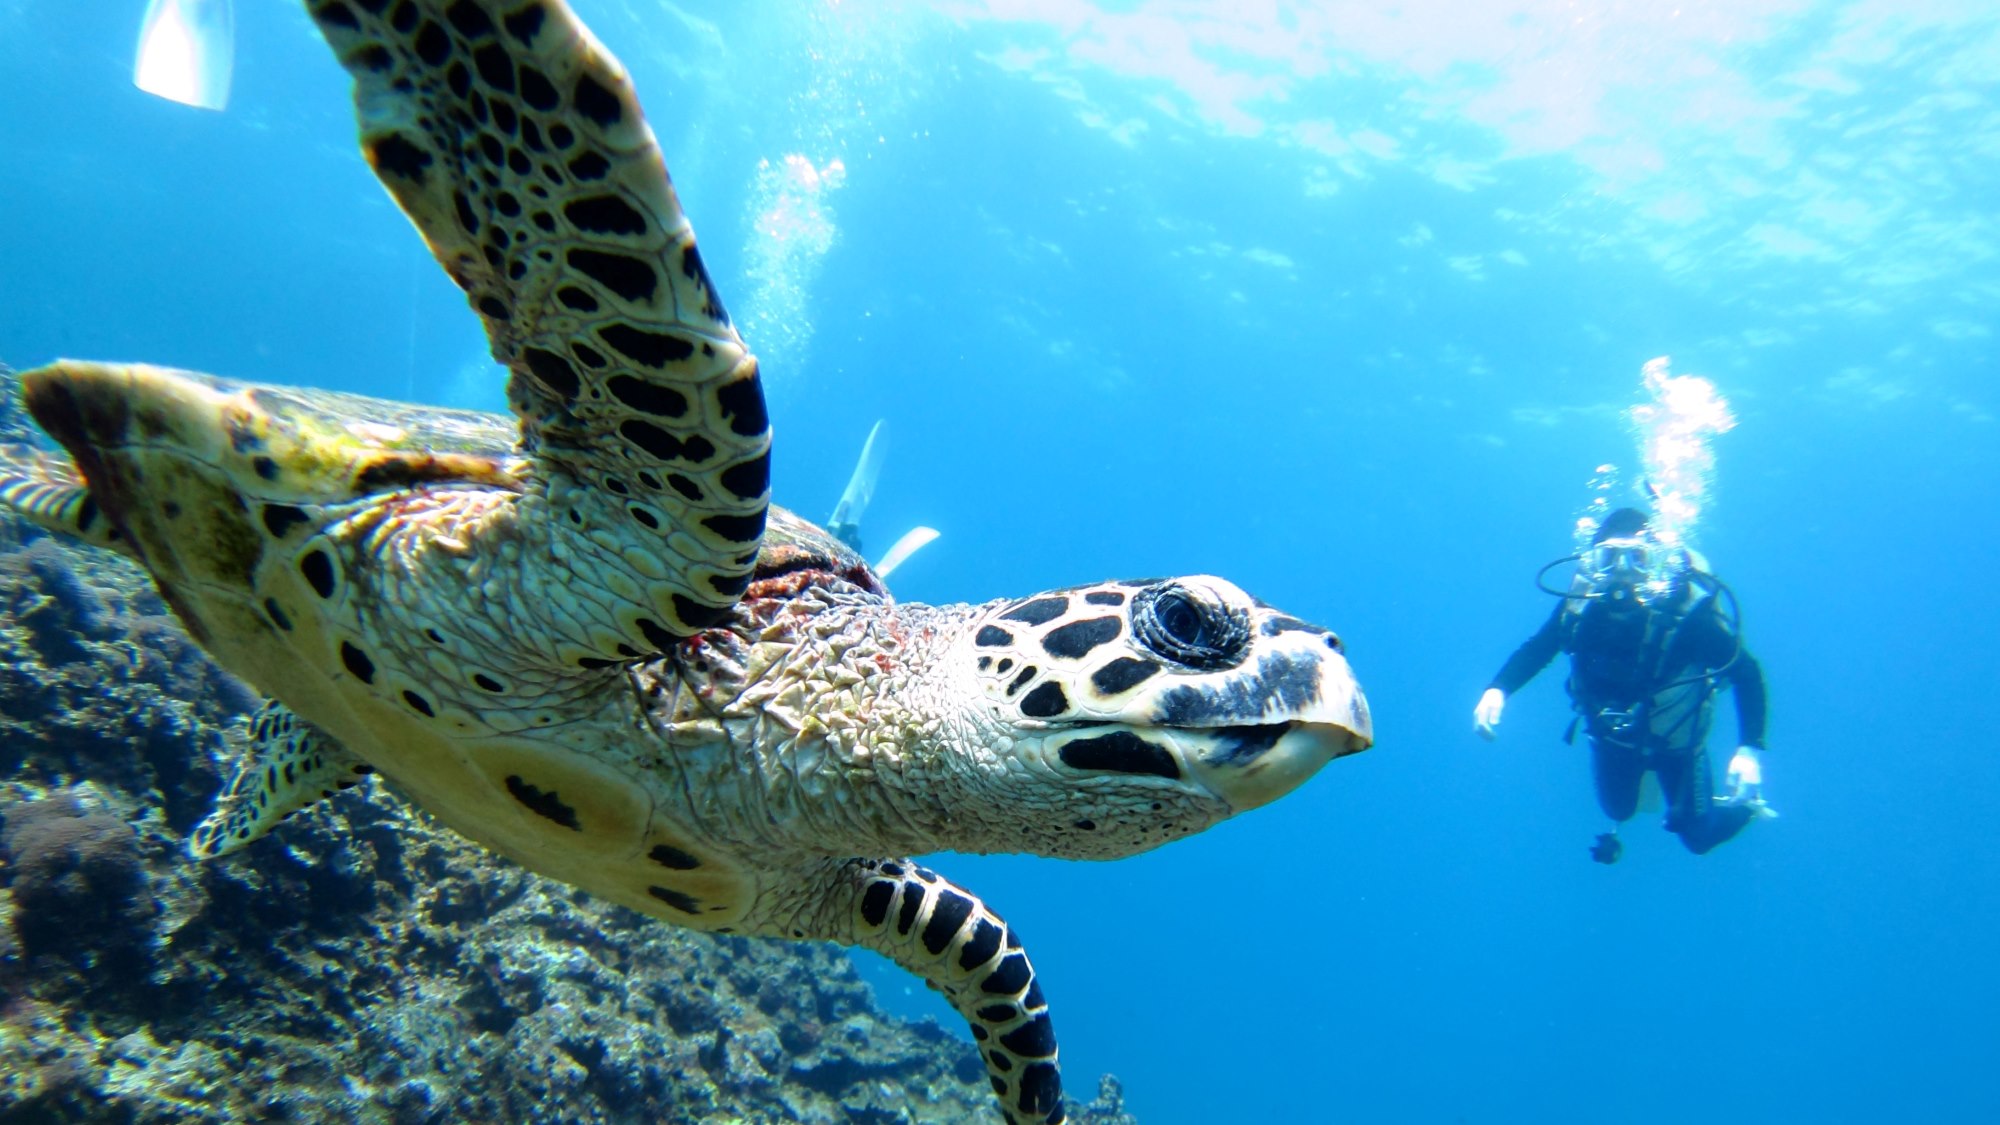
{"x":1253,"y":764}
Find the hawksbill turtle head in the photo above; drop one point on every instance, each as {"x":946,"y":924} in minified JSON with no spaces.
{"x":1159,"y":706}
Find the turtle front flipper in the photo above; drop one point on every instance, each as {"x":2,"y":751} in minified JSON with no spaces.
{"x":45,"y":490}
{"x":513,"y":141}
{"x":946,"y":935}
{"x":290,"y":765}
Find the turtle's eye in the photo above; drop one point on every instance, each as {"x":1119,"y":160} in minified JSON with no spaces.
{"x":1180,"y":620}
{"x":1189,"y":626}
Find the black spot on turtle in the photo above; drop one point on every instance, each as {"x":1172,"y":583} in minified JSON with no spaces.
{"x":1034,"y":1039}
{"x":1037,"y":611}
{"x":317,"y":567}
{"x":495,"y":67}
{"x":525,"y":24}
{"x":604,"y":214}
{"x":597,"y":103}
{"x":469,"y":20}
{"x":433,"y":45}
{"x":394,"y":155}
{"x":679,"y":900}
{"x":1123,"y":674}
{"x":875,"y":901}
{"x":1010,"y":978}
{"x":553,"y":372}
{"x":666,"y":855}
{"x":357,"y":662}
{"x":543,"y":804}
{"x":337,"y":14}
{"x":650,"y":398}
{"x":649,"y":349}
{"x":657,"y":442}
{"x":737,"y":529}
{"x":742,"y":402}
{"x":623,"y":274}
{"x":540,"y":94}
{"x":913,"y":901}
{"x":1045,"y":702}
{"x":981,"y":946}
{"x":748,"y":479}
{"x":1041,"y":1092}
{"x":947,"y":916}
{"x":281,"y":518}
{"x":1119,"y":752}
{"x":1076,"y":639}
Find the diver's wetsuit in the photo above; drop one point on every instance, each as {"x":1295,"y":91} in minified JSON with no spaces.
{"x":1642,"y":683}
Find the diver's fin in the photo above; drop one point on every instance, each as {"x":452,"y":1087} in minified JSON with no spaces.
{"x":290,"y":765}
{"x":845,"y":522}
{"x":912,"y":541}
{"x":44,"y":489}
{"x":187,"y":51}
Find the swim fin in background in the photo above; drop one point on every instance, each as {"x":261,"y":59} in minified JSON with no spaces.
{"x":845,"y":522}
{"x":187,"y":51}
{"x":909,"y":544}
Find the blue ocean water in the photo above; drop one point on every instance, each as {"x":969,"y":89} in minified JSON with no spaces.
{"x":1345,"y":304}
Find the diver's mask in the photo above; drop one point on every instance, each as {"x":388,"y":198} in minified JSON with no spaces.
{"x":1635,"y":568}
{"x":1629,"y":570}
{"x":1618,"y":567}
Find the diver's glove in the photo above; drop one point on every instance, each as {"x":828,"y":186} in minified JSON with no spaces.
{"x":1746,"y":782}
{"x":1486,"y":716}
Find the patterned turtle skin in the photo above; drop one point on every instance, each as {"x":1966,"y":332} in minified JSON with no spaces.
{"x":583,"y":637}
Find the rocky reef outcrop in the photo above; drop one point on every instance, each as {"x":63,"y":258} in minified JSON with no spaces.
{"x":361,"y":964}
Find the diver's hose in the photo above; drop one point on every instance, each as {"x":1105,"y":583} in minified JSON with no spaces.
{"x":1718,"y":589}
{"x":1543,"y":573}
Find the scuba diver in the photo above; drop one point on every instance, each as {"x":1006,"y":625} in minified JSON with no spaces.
{"x":1649,"y":643}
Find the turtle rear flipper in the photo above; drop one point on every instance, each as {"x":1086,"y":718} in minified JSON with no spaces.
{"x":513,"y":141}
{"x":45,"y":489}
{"x":290,"y":765}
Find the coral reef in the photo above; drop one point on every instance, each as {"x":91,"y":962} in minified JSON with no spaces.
{"x":360,"y":965}
{"x":79,"y":886}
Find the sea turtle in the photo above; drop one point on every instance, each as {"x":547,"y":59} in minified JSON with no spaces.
{"x":582,"y":636}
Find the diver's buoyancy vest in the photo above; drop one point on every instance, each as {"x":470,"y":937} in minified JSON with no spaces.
{"x":1619,"y":667}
